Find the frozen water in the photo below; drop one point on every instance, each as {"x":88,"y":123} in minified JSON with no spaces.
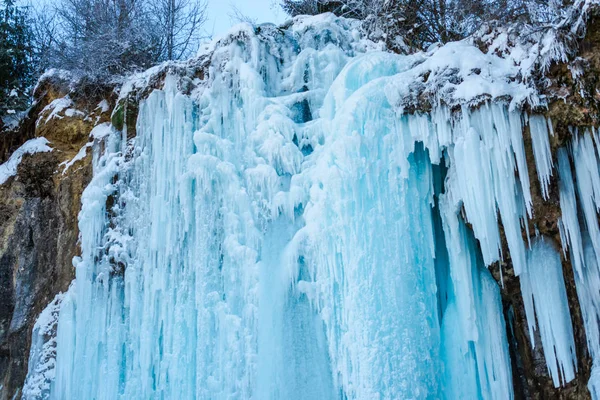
{"x":42,"y":357}
{"x":538,"y":128}
{"x":475,"y":355}
{"x":289,"y":230}
{"x":569,"y":222}
{"x":581,"y":238}
{"x":546,"y":302}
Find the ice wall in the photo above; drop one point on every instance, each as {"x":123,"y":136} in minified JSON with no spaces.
{"x":292,"y":228}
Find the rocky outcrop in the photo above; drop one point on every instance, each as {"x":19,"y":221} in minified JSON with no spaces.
{"x":574,"y":92}
{"x":38,"y":213}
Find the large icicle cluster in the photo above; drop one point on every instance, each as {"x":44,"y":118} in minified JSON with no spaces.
{"x":287,"y":230}
{"x":546,"y":300}
{"x":581,"y":236}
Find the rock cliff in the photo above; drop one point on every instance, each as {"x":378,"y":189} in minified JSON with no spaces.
{"x":38,"y":212}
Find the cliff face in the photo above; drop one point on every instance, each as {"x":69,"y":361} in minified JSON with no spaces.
{"x":40,"y":204}
{"x":574,"y":105}
{"x":38,"y":217}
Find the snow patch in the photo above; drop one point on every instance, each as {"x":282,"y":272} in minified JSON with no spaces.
{"x":103,"y":106}
{"x":101,"y":131}
{"x":60,"y":106}
{"x":32,"y":146}
{"x":79,"y":156}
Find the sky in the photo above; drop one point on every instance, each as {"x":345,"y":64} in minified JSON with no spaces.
{"x":219,"y":20}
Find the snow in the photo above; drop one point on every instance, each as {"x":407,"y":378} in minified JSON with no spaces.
{"x":79,"y":156}
{"x":67,"y":80}
{"x":13,"y":119}
{"x":315,"y":220}
{"x":58,"y":74}
{"x":458,"y":73}
{"x":32,"y":146}
{"x":56,"y":107}
{"x":62,"y":105}
{"x":534,"y":48}
{"x":103,"y":106}
{"x":101,"y":131}
{"x":71,"y":112}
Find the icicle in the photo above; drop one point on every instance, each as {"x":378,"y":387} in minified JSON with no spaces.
{"x":588,"y":294}
{"x":474,"y":342}
{"x":462,"y":262}
{"x":569,"y":224}
{"x":546,"y":302}
{"x":474,"y":185}
{"x":483,"y":157}
{"x":588,"y":185}
{"x":538,"y":127}
{"x":493,"y":359}
{"x":515,"y":125}
{"x":582,"y":252}
{"x":459,"y":359}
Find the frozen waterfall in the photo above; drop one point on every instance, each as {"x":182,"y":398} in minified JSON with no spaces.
{"x":290,"y":228}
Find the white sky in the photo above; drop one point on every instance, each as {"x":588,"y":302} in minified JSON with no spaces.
{"x":219,"y":20}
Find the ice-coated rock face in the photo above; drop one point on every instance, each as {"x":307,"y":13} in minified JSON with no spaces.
{"x":281,"y":227}
{"x":39,"y":202}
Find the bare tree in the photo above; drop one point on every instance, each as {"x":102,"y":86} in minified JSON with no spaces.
{"x":413,"y":24}
{"x":178,"y":24}
{"x":313,"y":7}
{"x":237,"y":16}
{"x":97,"y":37}
{"x":45,"y":27}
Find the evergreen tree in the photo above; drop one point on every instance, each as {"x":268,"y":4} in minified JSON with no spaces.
{"x":16,"y":71}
